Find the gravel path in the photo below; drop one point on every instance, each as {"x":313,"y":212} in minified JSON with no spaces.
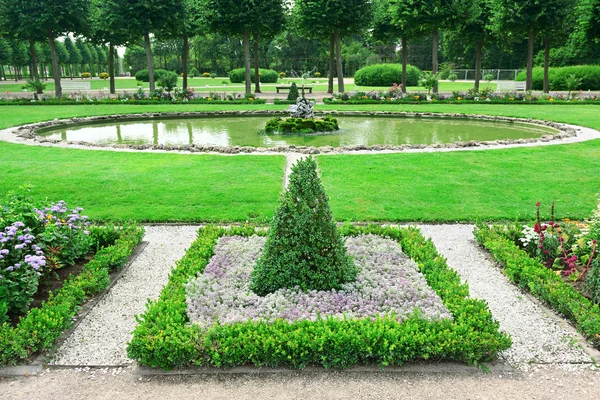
{"x":537,"y":337}
{"x":101,"y":338}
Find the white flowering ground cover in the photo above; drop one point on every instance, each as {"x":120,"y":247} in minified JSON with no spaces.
{"x":388,"y":284}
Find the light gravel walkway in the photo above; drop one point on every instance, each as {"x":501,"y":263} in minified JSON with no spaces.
{"x":537,"y":337}
{"x":101,"y":338}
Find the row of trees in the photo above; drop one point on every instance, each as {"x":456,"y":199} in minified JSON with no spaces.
{"x":111,"y":23}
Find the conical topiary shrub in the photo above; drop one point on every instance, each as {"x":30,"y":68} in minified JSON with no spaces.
{"x":293,"y":93}
{"x":303,"y":246}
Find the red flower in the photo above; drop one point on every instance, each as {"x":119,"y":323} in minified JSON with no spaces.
{"x":537,"y":204}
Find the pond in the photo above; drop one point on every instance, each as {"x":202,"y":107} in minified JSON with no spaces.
{"x":248,"y":131}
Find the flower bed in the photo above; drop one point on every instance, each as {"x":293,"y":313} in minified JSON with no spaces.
{"x":557,"y":262}
{"x":165,"y":337}
{"x":36,"y":245}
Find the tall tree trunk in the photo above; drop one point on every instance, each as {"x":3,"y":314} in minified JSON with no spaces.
{"x":331,"y":62}
{"x":256,"y":69}
{"x":340,"y":68}
{"x":16,"y":74}
{"x":149,"y":61}
{"x":55,"y":70}
{"x":247,"y":61}
{"x":184,"y":62}
{"x":71,"y":70}
{"x":111,"y":67}
{"x":3,"y":77}
{"x":478,"y":64}
{"x":529,"y":82}
{"x":546,"y":64}
{"x":404,"y":61}
{"x":34,"y":65}
{"x":434,"y":57}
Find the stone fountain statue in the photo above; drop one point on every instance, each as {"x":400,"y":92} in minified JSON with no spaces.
{"x":303,"y":108}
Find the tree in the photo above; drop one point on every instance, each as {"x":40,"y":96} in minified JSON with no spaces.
{"x":75,"y":56}
{"x":476,"y":33}
{"x":19,"y":57}
{"x":333,"y":19}
{"x":86,"y":56}
{"x":56,"y":18}
{"x":303,"y":246}
{"x":135,"y":58}
{"x":267,"y":28}
{"x":140,"y":18}
{"x":513,"y":19}
{"x":5,"y":56}
{"x":553,"y":26}
{"x":241,"y":18}
{"x":62,"y":56}
{"x":593,"y":24}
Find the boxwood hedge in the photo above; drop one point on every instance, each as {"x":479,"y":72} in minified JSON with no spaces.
{"x":142,"y":75}
{"x":386,"y":75}
{"x":165,"y":338}
{"x":542,"y":282}
{"x":266,"y":75}
{"x":41,"y":327}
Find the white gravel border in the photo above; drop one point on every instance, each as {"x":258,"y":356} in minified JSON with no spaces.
{"x":101,"y":337}
{"x":537,"y":337}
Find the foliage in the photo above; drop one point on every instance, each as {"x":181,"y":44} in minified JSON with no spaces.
{"x":429,"y":80}
{"x":41,"y":327}
{"x":194,"y":73}
{"x":293,"y":93}
{"x":589,"y":75}
{"x":164,"y":337}
{"x":296,"y":126}
{"x":35,"y":85}
{"x":266,"y":75}
{"x":386,"y":75}
{"x":167,"y":81}
{"x":103,"y":75}
{"x":143,"y":74}
{"x":452,"y":77}
{"x":303,"y":247}
{"x":542,"y":282}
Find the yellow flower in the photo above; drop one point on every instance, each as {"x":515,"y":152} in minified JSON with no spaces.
{"x":364,"y":97}
{"x":251,"y":99}
{"x":49,"y":216}
{"x":550,"y":99}
{"x":210,"y":98}
{"x":417,"y":97}
{"x":459,"y":98}
{"x":511,"y":99}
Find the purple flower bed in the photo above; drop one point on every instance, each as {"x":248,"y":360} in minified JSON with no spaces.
{"x":388,"y":283}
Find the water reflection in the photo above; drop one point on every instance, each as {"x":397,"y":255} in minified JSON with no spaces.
{"x":247,"y":131}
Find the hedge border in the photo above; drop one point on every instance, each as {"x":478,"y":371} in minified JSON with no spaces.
{"x":29,"y":102}
{"x":543,"y":283}
{"x":164,"y":337}
{"x":42,"y":327}
{"x":329,"y":101}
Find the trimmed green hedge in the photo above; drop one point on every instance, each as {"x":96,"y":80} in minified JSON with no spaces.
{"x":41,"y":327}
{"x":116,"y":101}
{"x":542,"y":282}
{"x":386,"y":75}
{"x":266,"y":75}
{"x":164,"y":337}
{"x":589,"y":75}
{"x":143,"y":76}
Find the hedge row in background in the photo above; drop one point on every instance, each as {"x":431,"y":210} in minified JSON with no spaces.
{"x":386,"y":75}
{"x":589,"y":75}
{"x":266,"y":75}
{"x":165,"y":338}
{"x":542,"y":282}
{"x":142,"y":75}
{"x":41,"y":327}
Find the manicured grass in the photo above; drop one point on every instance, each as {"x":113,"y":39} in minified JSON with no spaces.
{"x":497,"y":184}
{"x":147,"y":187}
{"x":205,"y":84}
{"x":463,"y":186}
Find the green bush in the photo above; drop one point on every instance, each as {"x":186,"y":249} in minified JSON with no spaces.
{"x":386,"y":75}
{"x":103,"y":75}
{"x":266,"y":75}
{"x":293,"y":93}
{"x":542,"y":282}
{"x":142,"y":75}
{"x":301,"y":125}
{"x":167,"y":81}
{"x":41,"y":327}
{"x":303,"y":246}
{"x":86,"y":75}
{"x":193,"y":73}
{"x":164,"y":337}
{"x":558,"y":77}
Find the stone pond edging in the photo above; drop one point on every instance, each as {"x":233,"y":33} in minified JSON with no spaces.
{"x":30,"y":132}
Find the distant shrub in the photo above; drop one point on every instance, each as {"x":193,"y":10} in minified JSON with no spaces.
{"x":293,"y":93}
{"x":386,"y":75}
{"x":142,"y":75}
{"x":86,"y":75}
{"x":317,"y":74}
{"x":206,"y":75}
{"x":168,"y":81}
{"x":266,"y":75}
{"x":488,"y":77}
{"x":558,"y":77}
{"x":282,"y":75}
{"x":103,"y":75}
{"x":193,"y":73}
{"x":452,"y":77}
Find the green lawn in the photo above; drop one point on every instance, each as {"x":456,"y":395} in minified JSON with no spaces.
{"x":495,"y":184}
{"x":208,"y":84}
{"x":145,"y":186}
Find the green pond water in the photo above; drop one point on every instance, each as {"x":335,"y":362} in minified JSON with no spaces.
{"x":248,"y":131}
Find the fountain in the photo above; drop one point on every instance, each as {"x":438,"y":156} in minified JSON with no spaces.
{"x":302,"y":120}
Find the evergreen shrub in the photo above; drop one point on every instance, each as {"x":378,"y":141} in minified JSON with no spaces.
{"x":386,"y":75}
